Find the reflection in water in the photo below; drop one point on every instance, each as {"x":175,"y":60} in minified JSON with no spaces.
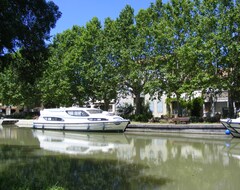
{"x":232,"y":149}
{"x":79,"y":143}
{"x":117,"y":161}
{"x":11,"y":135}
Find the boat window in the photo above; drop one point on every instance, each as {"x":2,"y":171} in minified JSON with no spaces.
{"x":77,"y":113}
{"x":98,"y":119}
{"x":53,"y":118}
{"x":95,"y":111}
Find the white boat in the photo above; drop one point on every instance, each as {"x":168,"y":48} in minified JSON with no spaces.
{"x":232,"y":126}
{"x":80,"y":119}
{"x":6,"y":121}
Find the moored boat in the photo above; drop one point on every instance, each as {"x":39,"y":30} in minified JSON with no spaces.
{"x":6,"y":121}
{"x":80,"y":119}
{"x":232,"y":126}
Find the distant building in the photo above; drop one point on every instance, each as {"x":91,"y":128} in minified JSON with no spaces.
{"x":8,"y":110}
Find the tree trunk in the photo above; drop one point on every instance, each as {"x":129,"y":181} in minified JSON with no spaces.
{"x":179,"y":113}
{"x":106,"y":105}
{"x":230,"y":104}
{"x":138,"y":104}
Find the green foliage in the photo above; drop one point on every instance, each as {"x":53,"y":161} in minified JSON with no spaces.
{"x":26,"y":24}
{"x":193,"y":106}
{"x":10,"y":91}
{"x":144,"y":116}
{"x":55,"y":188}
{"x":18,"y":88}
{"x":141,"y":117}
{"x":196,"y":107}
{"x":125,"y":110}
{"x":79,"y":69}
{"x":176,"y":48}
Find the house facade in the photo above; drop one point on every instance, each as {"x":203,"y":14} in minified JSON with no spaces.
{"x":214,"y":104}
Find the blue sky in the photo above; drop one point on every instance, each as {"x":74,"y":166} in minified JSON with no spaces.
{"x":79,"y":12}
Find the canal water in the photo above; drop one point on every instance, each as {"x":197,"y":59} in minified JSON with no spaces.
{"x":36,"y":159}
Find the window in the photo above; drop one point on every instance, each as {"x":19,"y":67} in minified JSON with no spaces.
{"x":53,"y":118}
{"x":98,"y":119}
{"x":160,"y":107}
{"x":77,"y":113}
{"x":95,"y":111}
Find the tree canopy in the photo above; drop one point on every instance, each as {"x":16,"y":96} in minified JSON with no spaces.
{"x":26,"y":24}
{"x":24,"y":29}
{"x":173,"y":48}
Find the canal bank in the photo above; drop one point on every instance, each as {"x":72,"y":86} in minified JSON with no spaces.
{"x":199,"y":128}
{"x":208,"y":128}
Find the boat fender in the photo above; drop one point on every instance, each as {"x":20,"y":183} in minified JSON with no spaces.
{"x":229,"y":121}
{"x":227,"y":132}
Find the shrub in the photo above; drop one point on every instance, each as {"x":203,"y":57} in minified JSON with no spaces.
{"x":195,"y":119}
{"x":125,"y":110}
{"x":145,"y":116}
{"x":213,"y":119}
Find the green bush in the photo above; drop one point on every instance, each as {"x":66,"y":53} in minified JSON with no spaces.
{"x":141,"y":117}
{"x":214,"y":119}
{"x":196,"y":107}
{"x":195,"y":119}
{"x":23,"y":115}
{"x":145,"y":116}
{"x":55,"y":188}
{"x":127,"y":111}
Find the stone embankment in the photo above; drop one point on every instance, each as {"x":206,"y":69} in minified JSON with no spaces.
{"x":215,"y":128}
{"x":28,"y":123}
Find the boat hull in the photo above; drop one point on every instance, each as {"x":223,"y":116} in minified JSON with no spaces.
{"x":233,"y":125}
{"x":115,"y":126}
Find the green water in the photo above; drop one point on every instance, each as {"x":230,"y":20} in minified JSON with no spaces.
{"x":35,"y":159}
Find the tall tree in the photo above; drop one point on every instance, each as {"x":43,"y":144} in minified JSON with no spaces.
{"x":24,"y":28}
{"x":59,"y":85}
{"x":86,"y":59}
{"x":15,"y":90}
{"x":135,"y":52}
{"x":109,"y":74}
{"x":174,"y":35}
{"x":228,"y":39}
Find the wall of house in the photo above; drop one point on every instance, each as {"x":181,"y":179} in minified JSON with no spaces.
{"x":219,"y":107}
{"x":157,"y":106}
{"x":126,"y":100}
{"x":215,"y":105}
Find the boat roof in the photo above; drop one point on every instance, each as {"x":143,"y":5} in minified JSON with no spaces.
{"x":69,"y":108}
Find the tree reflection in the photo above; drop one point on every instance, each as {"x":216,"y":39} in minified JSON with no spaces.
{"x":44,"y":172}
